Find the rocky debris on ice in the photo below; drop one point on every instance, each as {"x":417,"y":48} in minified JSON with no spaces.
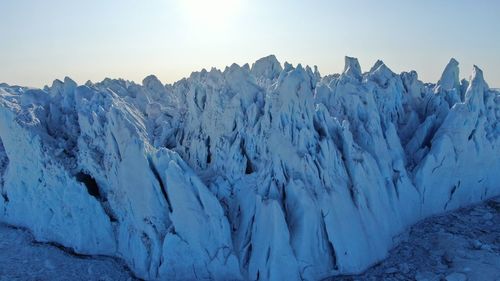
{"x":266,"y":172}
{"x":445,"y":247}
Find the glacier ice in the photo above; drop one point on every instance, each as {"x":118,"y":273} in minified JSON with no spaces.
{"x":262,"y":172}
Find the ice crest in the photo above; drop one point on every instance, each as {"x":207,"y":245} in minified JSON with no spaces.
{"x":268,"y":67}
{"x":352,"y":68}
{"x":450,"y":77}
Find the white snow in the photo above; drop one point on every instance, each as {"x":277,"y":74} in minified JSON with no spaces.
{"x":263,"y":172}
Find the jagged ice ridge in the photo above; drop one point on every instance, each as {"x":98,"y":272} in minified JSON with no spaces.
{"x":263,"y":172}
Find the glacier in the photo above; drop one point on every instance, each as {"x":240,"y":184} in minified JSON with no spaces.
{"x":262,"y":172}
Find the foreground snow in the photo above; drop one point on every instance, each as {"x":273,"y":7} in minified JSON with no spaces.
{"x":21,"y":258}
{"x":463,"y":245}
{"x":262,"y":172}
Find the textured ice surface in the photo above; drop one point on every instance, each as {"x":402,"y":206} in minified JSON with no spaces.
{"x":22,"y":259}
{"x":462,"y":245}
{"x":266,"y":172}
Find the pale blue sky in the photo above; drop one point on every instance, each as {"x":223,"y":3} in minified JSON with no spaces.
{"x":41,"y":40}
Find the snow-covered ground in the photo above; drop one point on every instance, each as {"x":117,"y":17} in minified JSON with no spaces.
{"x":462,"y":245}
{"x":21,"y":258}
{"x":458,"y":246}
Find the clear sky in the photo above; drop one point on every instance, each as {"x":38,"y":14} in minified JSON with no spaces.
{"x":41,"y":40}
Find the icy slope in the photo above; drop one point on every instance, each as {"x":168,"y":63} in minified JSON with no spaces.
{"x":258,"y":172}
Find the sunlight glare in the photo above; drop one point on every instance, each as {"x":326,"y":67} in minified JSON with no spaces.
{"x":210,"y":12}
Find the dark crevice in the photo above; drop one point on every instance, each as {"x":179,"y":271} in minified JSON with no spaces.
{"x":200,"y":99}
{"x":438,"y":166}
{"x":235,"y":226}
{"x":268,"y":255}
{"x":171,"y":141}
{"x":94,"y":191}
{"x":65,"y":249}
{"x":195,"y":98}
{"x":350,"y":184}
{"x":396,"y":176}
{"x":452,"y":192}
{"x":107,"y":209}
{"x":247,"y":255}
{"x":247,"y":249}
{"x":427,"y":142}
{"x":90,"y":183}
{"x":235,"y":125}
{"x":111,"y":215}
{"x":352,"y":193}
{"x":286,"y":215}
{"x":472,"y":134}
{"x":198,"y":198}
{"x":160,"y":182}
{"x":209,"y":154}
{"x":249,"y":166}
{"x":320,"y":130}
{"x":4,"y":163}
{"x":331,"y":249}
{"x":180,"y":137}
{"x":116,"y":146}
{"x":146,"y":241}
{"x":248,"y":169}
{"x":203,"y":101}
{"x":334,"y":255}
{"x":285,"y":172}
{"x":73,"y":253}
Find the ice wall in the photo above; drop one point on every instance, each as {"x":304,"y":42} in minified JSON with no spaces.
{"x":266,"y":172}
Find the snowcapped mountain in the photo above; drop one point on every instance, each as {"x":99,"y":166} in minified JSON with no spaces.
{"x":252,"y":173}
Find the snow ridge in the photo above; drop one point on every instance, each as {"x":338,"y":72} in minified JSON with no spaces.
{"x":266,"y":172}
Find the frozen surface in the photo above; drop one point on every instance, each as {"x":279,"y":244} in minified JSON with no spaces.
{"x":21,"y":258}
{"x":463,"y":245}
{"x":265,"y":172}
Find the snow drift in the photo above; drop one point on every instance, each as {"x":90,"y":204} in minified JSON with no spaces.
{"x":260,"y":173}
